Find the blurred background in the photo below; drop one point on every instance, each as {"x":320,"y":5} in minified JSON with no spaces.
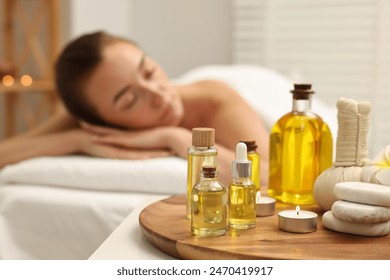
{"x":342,"y":47}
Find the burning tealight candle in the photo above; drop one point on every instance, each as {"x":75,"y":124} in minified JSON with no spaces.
{"x":8,"y":80}
{"x":298,"y":221}
{"x":265,"y":206}
{"x":26,"y":80}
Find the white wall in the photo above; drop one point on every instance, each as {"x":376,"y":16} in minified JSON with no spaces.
{"x":179,"y":34}
{"x":183,"y":34}
{"x":90,"y":15}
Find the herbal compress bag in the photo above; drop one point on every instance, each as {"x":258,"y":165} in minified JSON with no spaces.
{"x":351,"y":150}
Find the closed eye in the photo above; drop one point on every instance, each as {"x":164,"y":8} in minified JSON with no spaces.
{"x":125,"y":99}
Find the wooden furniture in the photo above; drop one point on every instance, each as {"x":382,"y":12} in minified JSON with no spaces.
{"x":31,"y":42}
{"x":165,"y":226}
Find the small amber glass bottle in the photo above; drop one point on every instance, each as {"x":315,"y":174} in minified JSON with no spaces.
{"x":254,"y":157}
{"x":208,"y":205}
{"x":201,"y":153}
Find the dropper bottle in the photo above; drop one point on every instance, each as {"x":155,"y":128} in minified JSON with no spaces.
{"x":242,"y":193}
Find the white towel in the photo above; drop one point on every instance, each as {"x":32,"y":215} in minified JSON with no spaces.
{"x":158,"y":175}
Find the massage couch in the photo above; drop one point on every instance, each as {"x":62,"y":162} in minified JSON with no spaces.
{"x":65,"y":207}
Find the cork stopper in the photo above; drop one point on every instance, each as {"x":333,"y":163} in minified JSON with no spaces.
{"x":209,"y":171}
{"x":302,"y":91}
{"x":203,"y":137}
{"x":250,"y":144}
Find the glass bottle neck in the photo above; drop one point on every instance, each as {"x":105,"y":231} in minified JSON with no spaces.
{"x":241,"y":180}
{"x":208,"y":177}
{"x":302,"y":105}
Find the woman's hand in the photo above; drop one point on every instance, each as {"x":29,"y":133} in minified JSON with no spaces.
{"x":88,"y":143}
{"x":159,"y":141}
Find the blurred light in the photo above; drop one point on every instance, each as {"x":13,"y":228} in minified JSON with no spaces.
{"x":8,"y":80}
{"x":26,"y":80}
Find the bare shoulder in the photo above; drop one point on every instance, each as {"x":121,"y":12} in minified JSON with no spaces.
{"x":218,"y":90}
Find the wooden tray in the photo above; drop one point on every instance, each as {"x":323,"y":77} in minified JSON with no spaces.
{"x":164,"y":224}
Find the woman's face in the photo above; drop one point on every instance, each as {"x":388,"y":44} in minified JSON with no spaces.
{"x":130,"y":90}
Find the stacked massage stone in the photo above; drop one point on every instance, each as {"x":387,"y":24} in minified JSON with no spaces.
{"x":361,"y":209}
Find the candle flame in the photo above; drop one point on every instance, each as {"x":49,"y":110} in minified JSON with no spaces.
{"x":298,"y":209}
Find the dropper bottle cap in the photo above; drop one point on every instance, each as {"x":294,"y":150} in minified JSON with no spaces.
{"x":241,"y":166}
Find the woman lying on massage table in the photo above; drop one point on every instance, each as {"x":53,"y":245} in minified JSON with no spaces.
{"x":119,"y":103}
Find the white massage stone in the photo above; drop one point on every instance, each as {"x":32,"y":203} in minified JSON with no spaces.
{"x":360,"y":213}
{"x":365,"y":193}
{"x":378,"y":229}
{"x":383,"y":176}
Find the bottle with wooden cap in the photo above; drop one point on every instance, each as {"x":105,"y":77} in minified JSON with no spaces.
{"x":254,"y":157}
{"x":301,"y":147}
{"x":209,"y":205}
{"x":201,"y":153}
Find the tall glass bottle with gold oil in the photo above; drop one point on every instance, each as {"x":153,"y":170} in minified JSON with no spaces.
{"x":254,"y":157}
{"x":209,"y":205}
{"x":201,"y":153}
{"x":242,"y":192}
{"x":301,"y":147}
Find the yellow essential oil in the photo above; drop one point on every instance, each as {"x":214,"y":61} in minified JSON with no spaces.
{"x":242,"y":192}
{"x":202,"y":153}
{"x":242,"y":204}
{"x":254,"y":157}
{"x":209,"y":205}
{"x":301,"y":147}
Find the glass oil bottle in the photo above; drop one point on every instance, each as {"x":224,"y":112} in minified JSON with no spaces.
{"x":301,"y":147}
{"x":201,"y":153}
{"x":254,"y":157}
{"x":209,"y":205}
{"x":242,"y":193}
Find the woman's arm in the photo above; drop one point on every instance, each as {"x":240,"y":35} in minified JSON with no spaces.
{"x":71,"y":141}
{"x":52,"y":137}
{"x":24,"y":147}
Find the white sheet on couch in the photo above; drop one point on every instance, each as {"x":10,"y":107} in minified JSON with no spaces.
{"x":46,"y":222}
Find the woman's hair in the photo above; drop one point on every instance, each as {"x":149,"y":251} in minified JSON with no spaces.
{"x":73,"y":67}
